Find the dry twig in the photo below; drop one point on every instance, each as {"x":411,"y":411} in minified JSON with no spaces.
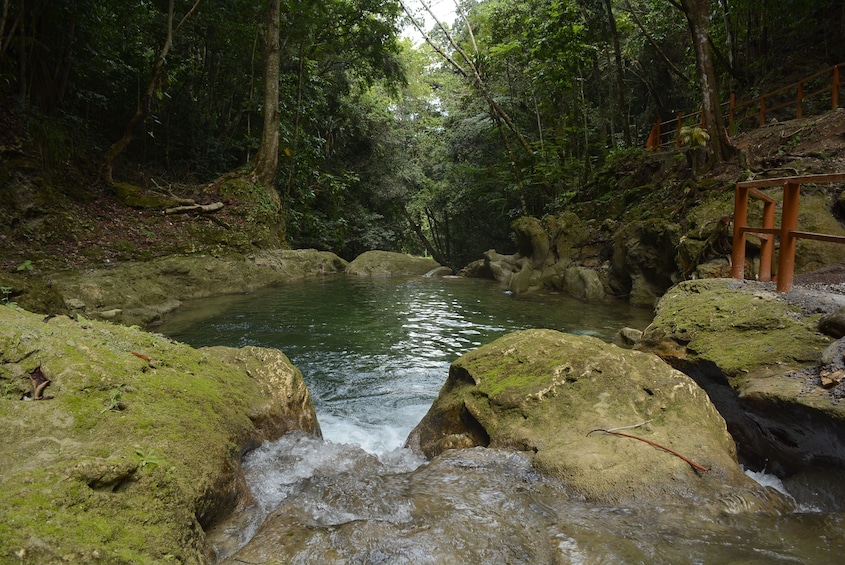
{"x":691,"y":463}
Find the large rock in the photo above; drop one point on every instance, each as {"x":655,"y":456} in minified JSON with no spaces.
{"x":757,"y":353}
{"x":644,"y":252}
{"x":547,"y":393}
{"x":140,"y":293}
{"x":387,"y":263}
{"x":134,"y":447}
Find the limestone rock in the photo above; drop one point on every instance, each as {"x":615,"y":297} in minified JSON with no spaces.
{"x":135,"y":447}
{"x":756,"y":353}
{"x":285,"y":402}
{"x":833,"y":324}
{"x":543,"y":392}
{"x":476,"y":270}
{"x":387,"y":264}
{"x":645,"y":253}
{"x":143,"y":292}
{"x":584,"y":284}
{"x":628,"y":337}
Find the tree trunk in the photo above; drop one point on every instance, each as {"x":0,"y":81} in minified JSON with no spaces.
{"x":423,"y":239}
{"x":267,"y":158}
{"x":620,"y":84}
{"x":144,"y":104}
{"x":697,"y":13}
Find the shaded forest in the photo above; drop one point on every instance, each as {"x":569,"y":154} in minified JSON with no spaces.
{"x":360,"y":137}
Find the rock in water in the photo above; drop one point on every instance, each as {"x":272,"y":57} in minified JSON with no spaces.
{"x":545,"y":393}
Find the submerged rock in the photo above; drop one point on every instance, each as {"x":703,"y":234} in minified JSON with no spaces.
{"x":134,"y":444}
{"x":553,"y":396}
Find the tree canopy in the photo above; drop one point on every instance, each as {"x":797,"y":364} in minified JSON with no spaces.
{"x":432,"y":147}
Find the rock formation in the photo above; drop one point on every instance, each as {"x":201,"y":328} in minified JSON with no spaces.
{"x":120,"y":446}
{"x":556,"y":396}
{"x":759,"y":355}
{"x":387,"y":263}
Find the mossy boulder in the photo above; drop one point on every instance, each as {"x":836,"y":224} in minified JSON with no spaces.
{"x":142,"y":292}
{"x":546,"y":393}
{"x":134,"y":447}
{"x":644,"y":253}
{"x":135,"y":196}
{"x":387,"y":264}
{"x":739,"y":328}
{"x":757,"y":353}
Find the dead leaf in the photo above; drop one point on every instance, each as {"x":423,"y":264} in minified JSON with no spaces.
{"x":832,"y":378}
{"x":39,"y":383}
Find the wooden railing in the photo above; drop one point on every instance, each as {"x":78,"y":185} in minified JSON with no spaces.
{"x":741,"y":116}
{"x":787,"y":232}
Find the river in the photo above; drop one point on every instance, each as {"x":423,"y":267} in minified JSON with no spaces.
{"x":374,"y":353}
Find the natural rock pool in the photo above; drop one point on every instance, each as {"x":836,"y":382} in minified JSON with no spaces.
{"x":374,"y":353}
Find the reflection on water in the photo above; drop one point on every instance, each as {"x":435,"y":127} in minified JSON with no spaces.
{"x":375,"y":352}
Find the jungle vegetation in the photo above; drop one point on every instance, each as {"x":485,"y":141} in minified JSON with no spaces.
{"x":367,"y":136}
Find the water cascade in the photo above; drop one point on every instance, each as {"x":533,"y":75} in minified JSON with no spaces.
{"x":374,"y":354}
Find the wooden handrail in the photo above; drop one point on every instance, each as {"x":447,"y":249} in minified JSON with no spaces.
{"x":787,"y":232}
{"x":672,"y":133}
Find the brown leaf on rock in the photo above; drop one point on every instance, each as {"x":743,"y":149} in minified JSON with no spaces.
{"x":39,"y":383}
{"x":832,"y":378}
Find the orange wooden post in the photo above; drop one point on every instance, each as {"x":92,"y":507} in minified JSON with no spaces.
{"x":767,"y":242}
{"x":653,"y":141}
{"x":788,"y":225}
{"x":799,"y":112}
{"x":835,"y":97}
{"x":740,"y":222}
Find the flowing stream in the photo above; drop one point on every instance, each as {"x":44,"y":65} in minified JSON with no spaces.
{"x":374,"y":353}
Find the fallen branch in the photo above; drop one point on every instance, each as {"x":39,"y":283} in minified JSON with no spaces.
{"x":169,"y":192}
{"x":657,"y":445}
{"x":201,"y":208}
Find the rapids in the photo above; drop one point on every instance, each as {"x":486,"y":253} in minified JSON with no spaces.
{"x":374,"y":354}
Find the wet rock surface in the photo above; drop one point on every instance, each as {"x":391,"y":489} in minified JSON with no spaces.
{"x":121,"y":446}
{"x":761,"y":357}
{"x":554,"y":396}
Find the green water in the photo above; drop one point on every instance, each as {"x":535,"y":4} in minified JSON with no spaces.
{"x":375,"y":352}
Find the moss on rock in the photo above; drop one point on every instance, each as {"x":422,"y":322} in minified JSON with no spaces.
{"x":739,"y":331}
{"x":135,"y":447}
{"x":543,"y":392}
{"x":386,"y":263}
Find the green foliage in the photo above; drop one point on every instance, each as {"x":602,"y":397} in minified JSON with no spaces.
{"x":147,"y":458}
{"x":6,"y":300}
{"x":115,"y":401}
{"x":372,"y":127}
{"x":694,"y":137}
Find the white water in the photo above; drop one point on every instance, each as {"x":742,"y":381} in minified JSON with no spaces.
{"x":374,"y":355}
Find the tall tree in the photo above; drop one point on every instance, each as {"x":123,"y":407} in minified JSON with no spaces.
{"x":267,"y":158}
{"x":697,"y":13}
{"x":620,"y":73}
{"x":154,"y":86}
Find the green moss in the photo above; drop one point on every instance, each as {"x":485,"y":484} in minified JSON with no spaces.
{"x":129,"y":485}
{"x":737,"y":330}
